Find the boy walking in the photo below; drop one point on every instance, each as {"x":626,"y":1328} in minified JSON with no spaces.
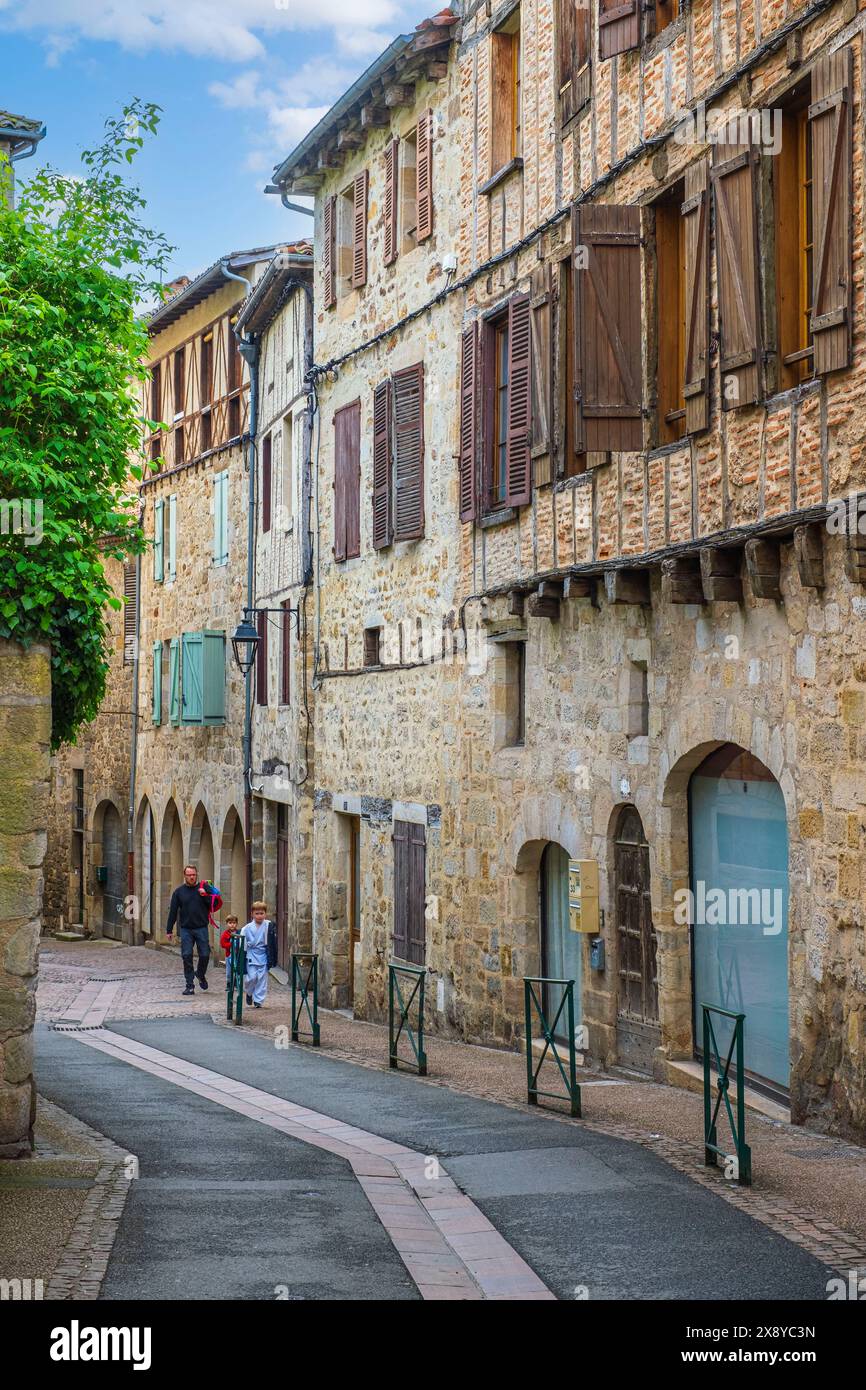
{"x":260,"y":940}
{"x":228,"y":935}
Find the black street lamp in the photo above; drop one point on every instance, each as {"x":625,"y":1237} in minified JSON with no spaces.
{"x":245,"y":642}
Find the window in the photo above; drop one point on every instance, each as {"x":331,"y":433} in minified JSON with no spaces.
{"x":505,"y":79}
{"x":234,"y":417}
{"x":671,"y":316}
{"x":155,"y":448}
{"x":347,"y":482}
{"x":638,"y":700}
{"x":130,"y":601}
{"x":203,"y":678}
{"x":159,"y":541}
{"x":795,"y":245}
{"x":372,"y":646}
{"x":234,"y":356}
{"x":514,"y":662}
{"x":206,"y":369}
{"x":262,"y":659}
{"x":506,"y":395}
{"x":574,"y":460}
{"x":409,"y":891}
{"x":156,"y":391}
{"x":286,"y":654}
{"x":398,"y":457}
{"x":572,"y":56}
{"x":351,"y":236}
{"x":287,"y":501}
{"x":78,"y":840}
{"x":499,"y":458}
{"x":156,"y":681}
{"x":221,"y":518}
{"x":172,"y":535}
{"x":409,"y":192}
{"x":665,"y":12}
{"x":408,"y":197}
{"x":206,"y":431}
{"x":179,"y":383}
{"x":266,"y":483}
{"x":174,"y":681}
{"x":179,"y":446}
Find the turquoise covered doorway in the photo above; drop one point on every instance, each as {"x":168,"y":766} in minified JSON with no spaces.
{"x":561,"y":948}
{"x":738,"y":841}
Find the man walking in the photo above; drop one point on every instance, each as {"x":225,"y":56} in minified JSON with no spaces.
{"x":189,"y":902}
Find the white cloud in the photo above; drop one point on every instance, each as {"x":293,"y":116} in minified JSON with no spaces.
{"x":291,"y":123}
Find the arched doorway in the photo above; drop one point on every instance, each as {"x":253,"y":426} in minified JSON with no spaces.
{"x":201,"y":844}
{"x":171,"y":858}
{"x":232,"y":882}
{"x":114,"y":880}
{"x":147,"y":857}
{"x":561,"y":948}
{"x":637,"y":1010}
{"x":738,"y":840}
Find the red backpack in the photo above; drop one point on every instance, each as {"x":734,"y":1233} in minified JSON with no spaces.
{"x":211,"y":891}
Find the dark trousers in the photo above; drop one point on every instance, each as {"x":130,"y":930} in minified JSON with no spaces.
{"x":189,"y":937}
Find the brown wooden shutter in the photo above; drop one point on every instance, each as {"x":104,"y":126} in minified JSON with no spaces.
{"x":518,"y":485}
{"x":262,"y":660}
{"x":618,"y":27}
{"x":359,"y":236}
{"x":391,"y":200}
{"x":735,"y":185}
{"x":286,"y":654}
{"x":541,"y":304}
{"x":416,"y":924}
{"x":696,"y":212}
{"x":468,"y":420}
{"x":340,"y":449}
{"x":424,"y":175}
{"x":401,"y":889}
{"x":329,"y":258}
{"x":382,"y":465}
{"x":352,"y":457}
{"x":266,"y":483}
{"x":608,"y":334}
{"x":130,"y":595}
{"x":408,"y":410}
{"x":830,"y":119}
{"x":566,"y":26}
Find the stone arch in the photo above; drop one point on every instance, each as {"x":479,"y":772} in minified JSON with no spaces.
{"x":201,"y":844}
{"x":108,"y":850}
{"x":171,"y":859}
{"x":233,"y":866}
{"x":146,"y":868}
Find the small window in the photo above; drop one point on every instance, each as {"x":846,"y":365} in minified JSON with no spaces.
{"x":638,"y":700}
{"x":234,"y":356}
{"x":266,"y":483}
{"x":220,"y":518}
{"x":286,"y":654}
{"x":206,"y":431}
{"x":794,"y":247}
{"x":156,"y":391}
{"x":155,"y":448}
{"x":372,"y":646}
{"x":345,"y":240}
{"x":671,"y":316}
{"x":286,"y":509}
{"x":514,"y":654}
{"x":262,"y":659}
{"x":156,"y":684}
{"x":499,"y":459}
{"x":666,"y":12}
{"x":179,"y":445}
{"x":408,"y":159}
{"x":234,"y":417}
{"x":179,"y":383}
{"x":206,"y":370}
{"x":505,"y":96}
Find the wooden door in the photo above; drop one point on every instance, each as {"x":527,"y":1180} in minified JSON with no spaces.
{"x":282,"y":886}
{"x":637,"y":1026}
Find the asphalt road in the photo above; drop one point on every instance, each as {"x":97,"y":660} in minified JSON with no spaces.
{"x":228,"y":1208}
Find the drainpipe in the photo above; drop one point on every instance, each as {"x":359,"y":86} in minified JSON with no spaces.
{"x":249,"y":350}
{"x":307,"y":441}
{"x":133,"y":750}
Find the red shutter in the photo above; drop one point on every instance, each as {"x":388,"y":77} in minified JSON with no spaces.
{"x":424,"y":176}
{"x":408,"y":397}
{"x":618,"y":27}
{"x":347,"y":482}
{"x":468,"y":420}
{"x":359,"y":241}
{"x":519,"y":401}
{"x":266,"y":483}
{"x":391,"y":156}
{"x":830,"y":121}
{"x":696,"y":213}
{"x":608,"y":335}
{"x":262,"y":660}
{"x":382,"y":465}
{"x":329,"y":256}
{"x":735,"y":182}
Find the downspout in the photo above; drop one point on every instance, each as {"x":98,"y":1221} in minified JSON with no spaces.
{"x":308,"y":438}
{"x":249,"y":350}
{"x":133,"y":751}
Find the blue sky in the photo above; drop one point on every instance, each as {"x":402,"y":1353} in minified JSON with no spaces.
{"x":240,"y":82}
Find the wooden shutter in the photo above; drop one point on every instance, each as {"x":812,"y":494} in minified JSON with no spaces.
{"x":172,"y":535}
{"x":174,"y":681}
{"x":618,"y":27}
{"x":566,"y":26}
{"x":359,"y":232}
{"x":329,"y":252}
{"x":424,"y":176}
{"x":608,"y":334}
{"x":220,"y":518}
{"x":518,"y":485}
{"x":416,"y":925}
{"x":541,"y":305}
{"x":347,"y":482}
{"x":286,"y":654}
{"x":213,"y":710}
{"x":696,"y":214}
{"x":262,"y":660}
{"x":735,"y":185}
{"x":130,"y":603}
{"x":266,"y":483}
{"x":156,"y":697}
{"x":400,"y":837}
{"x":391,"y":200}
{"x":159,"y":541}
{"x":191,"y":678}
{"x":339,"y":485}
{"x":408,"y":412}
{"x":832,"y":300}
{"x":468,"y":420}
{"x":382,"y":465}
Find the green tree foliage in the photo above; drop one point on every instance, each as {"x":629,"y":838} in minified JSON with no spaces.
{"x":75,"y":263}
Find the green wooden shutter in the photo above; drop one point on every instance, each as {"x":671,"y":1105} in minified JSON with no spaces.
{"x":174,"y":681}
{"x":220,"y":519}
{"x":191,"y":683}
{"x":172,"y":535}
{"x":214,"y":678}
{"x":158,"y":535}
{"x":157,"y":683}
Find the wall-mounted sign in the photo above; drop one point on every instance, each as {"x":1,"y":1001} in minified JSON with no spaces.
{"x":583,"y":895}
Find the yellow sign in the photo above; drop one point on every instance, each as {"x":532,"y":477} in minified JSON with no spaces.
{"x":583,"y":895}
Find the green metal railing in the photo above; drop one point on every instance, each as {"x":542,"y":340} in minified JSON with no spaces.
{"x":738,"y":1165}
{"x":532,"y":1001}
{"x":305,"y":983}
{"x":416,"y":1035}
{"x":235,"y":979}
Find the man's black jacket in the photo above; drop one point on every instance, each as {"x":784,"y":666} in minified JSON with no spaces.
{"x":188,"y":904}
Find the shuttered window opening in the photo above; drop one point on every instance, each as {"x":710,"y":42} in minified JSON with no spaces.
{"x":573,"y":36}
{"x":220,"y":518}
{"x":206,"y":369}
{"x":830,"y":119}
{"x":174,"y":681}
{"x":359,"y":230}
{"x":408,"y":185}
{"x":372,"y":646}
{"x":130,"y":605}
{"x":172,"y":536}
{"x":542,"y":360}
{"x":202,"y":680}
{"x":286,"y":654}
{"x":159,"y":541}
{"x":156,"y":683}
{"x":262,"y":659}
{"x":735,"y":189}
{"x":469,"y":387}
{"x":156,"y":393}
{"x":618,"y":27}
{"x":191,"y":678}
{"x":792,"y":200}
{"x":608,"y":334}
{"x":658,"y":15}
{"x":347,"y":482}
{"x":569,"y":455}
{"x":382,"y":521}
{"x":409,"y":940}
{"x":266,"y":483}
{"x":179,"y":383}
{"x":407,"y":395}
{"x":390,"y":200}
{"x":505,"y":94}
{"x":695,"y":213}
{"x":670,"y":286}
{"x":329,"y":252}
{"x":424,"y":175}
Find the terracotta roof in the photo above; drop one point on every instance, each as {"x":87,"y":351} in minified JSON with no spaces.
{"x":12,"y":122}
{"x":205,"y":284}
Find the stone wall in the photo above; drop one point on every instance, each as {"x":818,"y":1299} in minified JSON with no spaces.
{"x":25,"y":734}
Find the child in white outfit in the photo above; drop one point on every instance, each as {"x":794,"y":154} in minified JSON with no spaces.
{"x":260,"y":943}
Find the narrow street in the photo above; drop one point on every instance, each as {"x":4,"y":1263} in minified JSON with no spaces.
{"x":262,"y":1171}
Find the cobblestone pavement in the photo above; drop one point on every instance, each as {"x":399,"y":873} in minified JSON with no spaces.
{"x":808,"y":1187}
